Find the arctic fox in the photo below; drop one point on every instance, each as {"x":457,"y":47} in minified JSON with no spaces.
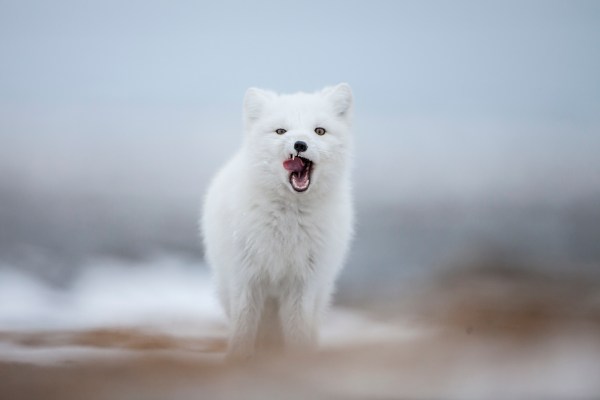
{"x":278,"y":218}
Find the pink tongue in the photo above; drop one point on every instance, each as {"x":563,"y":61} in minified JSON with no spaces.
{"x":294,"y":165}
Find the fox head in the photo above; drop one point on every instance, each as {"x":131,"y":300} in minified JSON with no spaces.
{"x":298,"y":142}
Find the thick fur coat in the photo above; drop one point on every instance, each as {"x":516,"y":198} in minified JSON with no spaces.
{"x":278,"y":218}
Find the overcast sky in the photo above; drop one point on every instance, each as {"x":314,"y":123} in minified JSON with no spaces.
{"x":452,"y":98}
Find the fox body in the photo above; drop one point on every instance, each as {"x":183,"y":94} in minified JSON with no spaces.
{"x":278,"y":218}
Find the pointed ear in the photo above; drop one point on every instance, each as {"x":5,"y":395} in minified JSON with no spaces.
{"x":341,"y":98}
{"x":254,"y":103}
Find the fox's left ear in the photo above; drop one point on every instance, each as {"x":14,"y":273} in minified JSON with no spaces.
{"x":341,"y":98}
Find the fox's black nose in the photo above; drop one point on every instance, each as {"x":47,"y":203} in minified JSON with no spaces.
{"x":300,"y":146}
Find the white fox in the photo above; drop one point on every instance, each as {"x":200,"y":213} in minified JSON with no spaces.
{"x":278,"y":218}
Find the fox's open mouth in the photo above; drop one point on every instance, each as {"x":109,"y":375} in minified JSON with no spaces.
{"x":300,"y":169}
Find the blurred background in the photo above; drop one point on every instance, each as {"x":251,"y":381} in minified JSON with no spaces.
{"x":477,"y":126}
{"x":477,"y":130}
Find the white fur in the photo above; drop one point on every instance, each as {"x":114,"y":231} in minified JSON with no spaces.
{"x":268,"y":244}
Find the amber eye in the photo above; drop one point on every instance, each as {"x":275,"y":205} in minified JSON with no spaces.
{"x":280,"y":131}
{"x":320,"y":131}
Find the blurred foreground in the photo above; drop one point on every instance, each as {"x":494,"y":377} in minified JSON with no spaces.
{"x":482,"y":332}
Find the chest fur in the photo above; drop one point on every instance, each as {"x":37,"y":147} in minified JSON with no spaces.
{"x":279,"y":240}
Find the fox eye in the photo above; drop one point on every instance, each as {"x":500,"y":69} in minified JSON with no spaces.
{"x":320,"y":131}
{"x":280,"y":131}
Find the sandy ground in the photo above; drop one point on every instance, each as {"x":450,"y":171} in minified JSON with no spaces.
{"x":481,"y":336}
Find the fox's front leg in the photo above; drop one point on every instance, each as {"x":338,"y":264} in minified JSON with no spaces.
{"x":245,"y":317}
{"x":299,"y":320}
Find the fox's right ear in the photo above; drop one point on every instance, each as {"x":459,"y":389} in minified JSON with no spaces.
{"x":254,"y":103}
